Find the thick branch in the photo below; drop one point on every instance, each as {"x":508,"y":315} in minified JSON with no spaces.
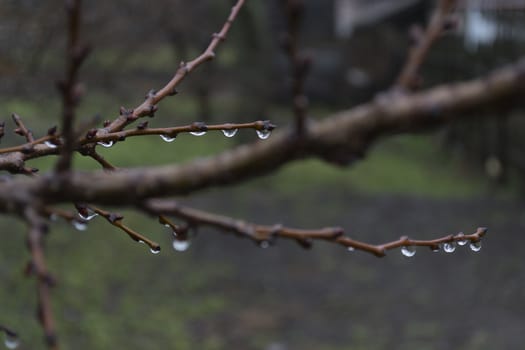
{"x":341,"y":139}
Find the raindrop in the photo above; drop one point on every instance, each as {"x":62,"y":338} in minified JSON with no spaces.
{"x":475,"y":246}
{"x":106,"y":144}
{"x":198,"y":133}
{"x":449,"y":247}
{"x":181,"y":245}
{"x":264,"y":133}
{"x":11,"y":341}
{"x":434,"y":248}
{"x":462,"y":242}
{"x":408,"y":251}
{"x":167,"y":138}
{"x":155,"y":250}
{"x":90,"y":214}
{"x":79,"y":225}
{"x":229,"y":132}
{"x":264,"y":244}
{"x":350,"y":249}
{"x":141,"y":241}
{"x":50,"y":144}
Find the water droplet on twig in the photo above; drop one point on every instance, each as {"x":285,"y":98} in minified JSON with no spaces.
{"x":167,"y":138}
{"x":106,"y":144}
{"x":79,"y":225}
{"x":181,"y":245}
{"x":155,"y":250}
{"x":11,"y":341}
{"x":229,"y":132}
{"x":263,"y":134}
{"x":462,"y":242}
{"x":198,"y":133}
{"x":475,"y":246}
{"x":408,"y":251}
{"x":449,"y":247}
{"x":350,"y":249}
{"x":88,"y":214}
{"x":264,"y":244}
{"x":50,"y":144}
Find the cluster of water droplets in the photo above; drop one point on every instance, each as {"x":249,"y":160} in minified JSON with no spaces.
{"x":11,"y":341}
{"x":448,"y":247}
{"x":229,"y":132}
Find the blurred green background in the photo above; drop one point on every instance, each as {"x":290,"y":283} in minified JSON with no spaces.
{"x":227,"y":293}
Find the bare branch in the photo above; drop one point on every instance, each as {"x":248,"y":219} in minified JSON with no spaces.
{"x":69,"y":87}
{"x":299,"y":63}
{"x":154,"y":97}
{"x":439,"y":22}
{"x":37,"y":230}
{"x":21,"y":129}
{"x":340,"y":139}
{"x":265,"y":235}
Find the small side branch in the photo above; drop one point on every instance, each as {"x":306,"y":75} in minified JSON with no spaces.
{"x":37,"y":231}
{"x":299,"y":63}
{"x":439,"y":22}
{"x":69,"y":88}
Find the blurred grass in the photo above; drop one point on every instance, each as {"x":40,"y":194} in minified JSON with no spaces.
{"x":102,"y":300}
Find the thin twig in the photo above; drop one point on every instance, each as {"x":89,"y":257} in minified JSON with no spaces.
{"x":154,"y":97}
{"x":21,"y":129}
{"x":37,"y":231}
{"x":69,"y":87}
{"x":299,"y":63}
{"x":116,"y":220}
{"x":408,"y":78}
{"x":268,"y":234}
{"x":261,"y":125}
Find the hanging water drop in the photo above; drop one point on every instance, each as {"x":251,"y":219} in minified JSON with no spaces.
{"x":229,"y":132}
{"x":434,"y":248}
{"x":408,"y":251}
{"x":198,"y":133}
{"x":168,"y":138}
{"x":141,"y":241}
{"x":155,"y":250}
{"x":350,"y":249}
{"x":264,"y":244}
{"x":462,"y":242}
{"x":87,"y":214}
{"x":50,"y":144}
{"x":79,"y":225}
{"x":475,"y":246}
{"x":106,"y":144}
{"x":11,"y":341}
{"x":181,"y":245}
{"x":263,"y":134}
{"x":449,"y":247}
